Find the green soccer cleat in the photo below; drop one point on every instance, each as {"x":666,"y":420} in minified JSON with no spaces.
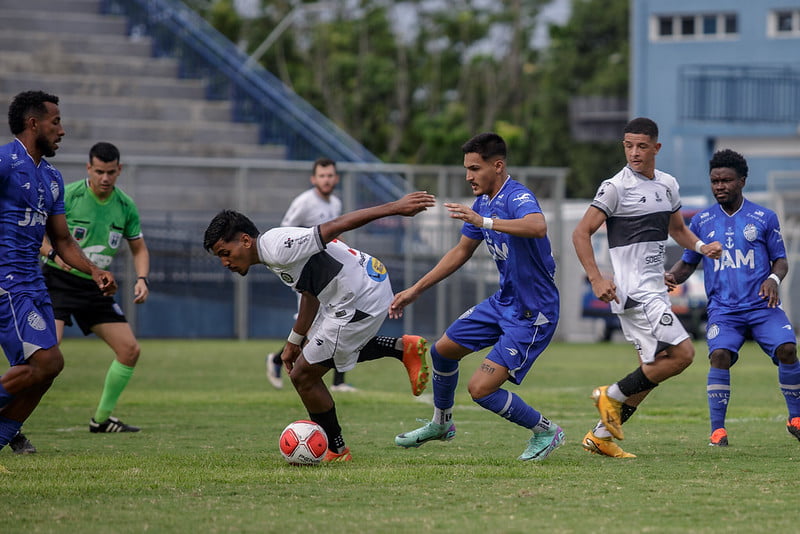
{"x":542,"y":444}
{"x":429,"y":432}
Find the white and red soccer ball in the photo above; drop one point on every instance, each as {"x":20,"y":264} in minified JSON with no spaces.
{"x":303,"y":443}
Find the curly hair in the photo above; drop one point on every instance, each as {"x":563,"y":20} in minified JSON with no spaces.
{"x":730,"y":159}
{"x":26,"y":104}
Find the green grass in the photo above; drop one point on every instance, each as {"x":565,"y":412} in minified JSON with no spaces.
{"x":207,"y":459}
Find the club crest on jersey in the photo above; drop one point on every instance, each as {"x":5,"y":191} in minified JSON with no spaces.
{"x":55,"y":190}
{"x":666,"y":319}
{"x":79,"y":232}
{"x":36,"y":321}
{"x":114,"y":239}
{"x":286,"y":277}
{"x":376,"y":270}
{"x":750,"y":232}
{"x":712,"y":331}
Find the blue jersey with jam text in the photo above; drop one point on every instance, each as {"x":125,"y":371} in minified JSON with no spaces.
{"x":29,"y":194}
{"x":526,"y":265}
{"x":751,"y":241}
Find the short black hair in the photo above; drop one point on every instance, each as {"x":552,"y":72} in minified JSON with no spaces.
{"x":26,"y":104}
{"x":323,"y":162}
{"x":730,"y":159}
{"x":644,"y":126}
{"x":105,"y":152}
{"x":225,"y":226}
{"x":488,"y":145}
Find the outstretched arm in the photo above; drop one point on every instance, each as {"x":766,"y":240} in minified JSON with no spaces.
{"x":531,"y":225}
{"x":450,"y":263}
{"x":409,"y":205}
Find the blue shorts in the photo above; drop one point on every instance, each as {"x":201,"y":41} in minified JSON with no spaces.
{"x":517,"y":342}
{"x":769,"y":327}
{"x":26,"y":324}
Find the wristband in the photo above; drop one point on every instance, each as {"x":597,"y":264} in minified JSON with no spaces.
{"x":488,"y":223}
{"x":776,"y":278}
{"x":146,"y":281}
{"x":295,"y":338}
{"x":52,"y":254}
{"x":698,"y":246}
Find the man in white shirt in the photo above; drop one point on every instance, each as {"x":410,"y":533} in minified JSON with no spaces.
{"x":312,"y":207}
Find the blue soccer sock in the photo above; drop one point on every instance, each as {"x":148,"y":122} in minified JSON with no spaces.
{"x":718,"y":389}
{"x":445,"y":380}
{"x":789,"y":381}
{"x":511,"y":406}
{"x":5,"y":396}
{"x":8,"y":429}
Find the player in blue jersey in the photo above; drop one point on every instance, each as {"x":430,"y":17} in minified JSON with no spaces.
{"x":32,"y":203}
{"x":743,"y":290}
{"x":519,"y":320}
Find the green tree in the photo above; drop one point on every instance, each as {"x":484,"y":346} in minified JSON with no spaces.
{"x":588,"y":56}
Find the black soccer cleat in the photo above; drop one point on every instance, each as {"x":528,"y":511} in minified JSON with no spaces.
{"x":21,"y":445}
{"x":112,"y":424}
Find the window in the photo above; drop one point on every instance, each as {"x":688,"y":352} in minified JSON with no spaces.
{"x":784,"y":23}
{"x":702,"y":26}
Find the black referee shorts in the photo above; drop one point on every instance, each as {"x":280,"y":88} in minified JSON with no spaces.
{"x":78,"y":297}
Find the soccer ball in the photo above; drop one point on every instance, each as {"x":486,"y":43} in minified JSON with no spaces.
{"x":303,"y":443}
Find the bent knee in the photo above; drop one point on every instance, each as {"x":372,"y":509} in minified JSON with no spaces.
{"x":787,"y":353}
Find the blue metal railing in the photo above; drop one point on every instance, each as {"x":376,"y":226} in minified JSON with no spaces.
{"x":257,"y":95}
{"x":740,"y":93}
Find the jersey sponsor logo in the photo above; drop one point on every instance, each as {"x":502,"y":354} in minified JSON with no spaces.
{"x":465,"y":315}
{"x":667,"y":319}
{"x":712,"y":331}
{"x":750,"y":232}
{"x":523,"y":198}
{"x":658,"y":197}
{"x":499,"y":252}
{"x":288,"y":243}
{"x":286,"y":277}
{"x":376,"y":270}
{"x":669,"y":194}
{"x":737,"y":260}
{"x":33,"y":218}
{"x":657,"y":258}
{"x":36,"y":321}
{"x":95,"y":254}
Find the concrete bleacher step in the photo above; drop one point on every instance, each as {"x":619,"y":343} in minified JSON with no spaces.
{"x":118,"y":86}
{"x":134,"y":129}
{"x":75,"y":43}
{"x":53,"y":6}
{"x":20,"y":19}
{"x":52,"y":61}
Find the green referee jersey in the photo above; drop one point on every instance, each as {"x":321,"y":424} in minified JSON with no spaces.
{"x":98,"y":226}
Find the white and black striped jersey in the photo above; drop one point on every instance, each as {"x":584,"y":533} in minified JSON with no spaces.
{"x":342,"y":278}
{"x":637,"y":211}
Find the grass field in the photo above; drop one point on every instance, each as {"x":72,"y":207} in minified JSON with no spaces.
{"x":207,"y":459}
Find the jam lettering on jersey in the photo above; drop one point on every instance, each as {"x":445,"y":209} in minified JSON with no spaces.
{"x":33,"y":218}
{"x":498,"y":251}
{"x":737,"y":260}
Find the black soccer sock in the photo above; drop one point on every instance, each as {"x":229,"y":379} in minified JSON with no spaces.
{"x":380,"y":347}
{"x":635,"y":383}
{"x":338,"y":378}
{"x":626,"y":412}
{"x":276,"y":360}
{"x":330,"y":424}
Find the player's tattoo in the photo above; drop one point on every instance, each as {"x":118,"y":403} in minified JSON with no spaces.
{"x":486,"y":368}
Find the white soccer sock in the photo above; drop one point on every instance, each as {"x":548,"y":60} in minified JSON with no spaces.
{"x":601,"y":431}
{"x":615,"y":393}
{"x":441,"y":416}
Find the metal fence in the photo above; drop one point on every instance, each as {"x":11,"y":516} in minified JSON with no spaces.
{"x":192,"y":296}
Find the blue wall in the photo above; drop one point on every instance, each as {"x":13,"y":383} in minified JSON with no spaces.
{"x":661,"y":76}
